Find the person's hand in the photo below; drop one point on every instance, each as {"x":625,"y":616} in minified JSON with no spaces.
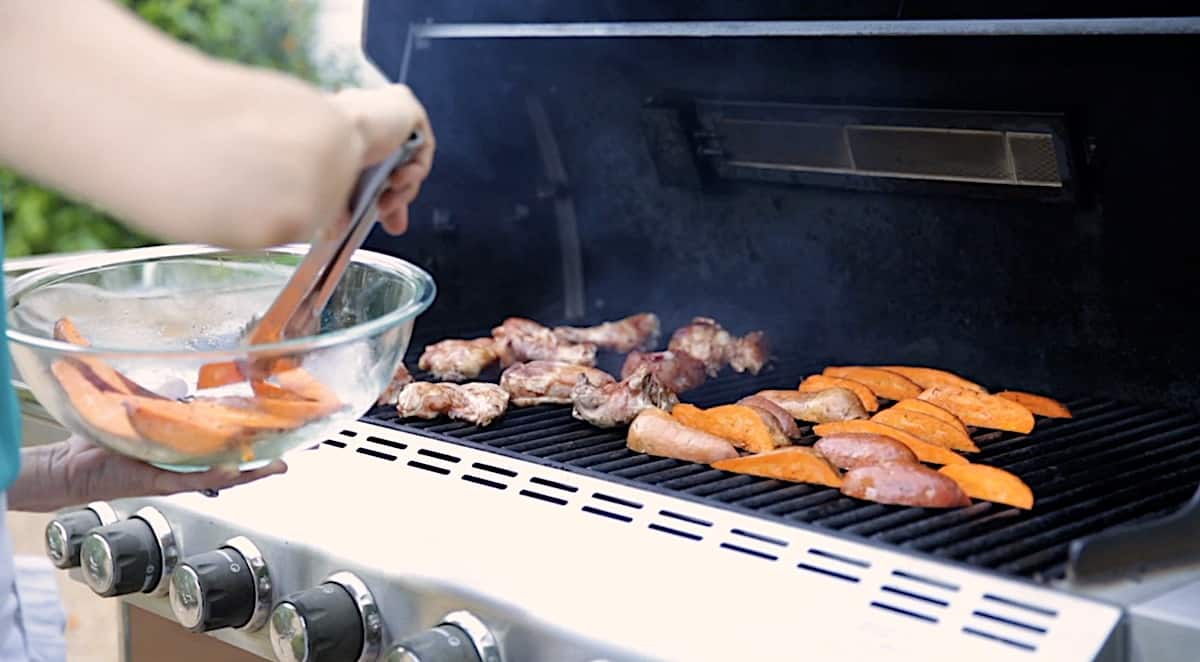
{"x":94,"y":473}
{"x":386,"y":118}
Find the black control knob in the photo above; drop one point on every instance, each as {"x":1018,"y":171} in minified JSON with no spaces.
{"x":64,"y":536}
{"x":121,"y":558}
{"x":213,"y":590}
{"x":321,"y":624}
{"x":444,"y":643}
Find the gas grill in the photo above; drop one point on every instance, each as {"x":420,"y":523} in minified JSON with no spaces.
{"x":1000,"y":194}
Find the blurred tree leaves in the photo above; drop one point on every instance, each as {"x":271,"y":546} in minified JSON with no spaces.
{"x":277,"y":34}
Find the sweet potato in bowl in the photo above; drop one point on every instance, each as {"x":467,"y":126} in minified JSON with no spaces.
{"x":135,"y":327}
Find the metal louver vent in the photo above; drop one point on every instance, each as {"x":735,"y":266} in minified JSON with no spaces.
{"x":907,"y":152}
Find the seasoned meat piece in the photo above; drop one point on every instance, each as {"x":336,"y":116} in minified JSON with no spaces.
{"x":548,"y":382}
{"x":477,"y":402}
{"x":519,"y":340}
{"x":640,"y":331}
{"x":715,"y":347}
{"x":654,"y":432}
{"x":458,"y":360}
{"x":787,"y":424}
{"x":399,"y":381}
{"x":619,"y":403}
{"x":678,"y":371}
{"x":832,"y":404}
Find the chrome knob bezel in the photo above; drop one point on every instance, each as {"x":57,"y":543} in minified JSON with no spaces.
{"x":480,"y":635}
{"x":168,"y":547}
{"x":368,"y":611}
{"x":263,"y":587}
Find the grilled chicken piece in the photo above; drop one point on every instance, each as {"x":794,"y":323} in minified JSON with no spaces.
{"x":827,"y":406}
{"x":678,"y":371}
{"x":787,"y":424}
{"x":618,"y":403}
{"x":654,"y":432}
{"x":519,"y":340}
{"x":477,"y":402}
{"x":458,"y":360}
{"x":548,"y":382}
{"x":715,"y":347}
{"x":399,"y":380}
{"x":640,"y":331}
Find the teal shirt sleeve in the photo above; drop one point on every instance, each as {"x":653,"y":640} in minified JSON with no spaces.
{"x":10,"y":412}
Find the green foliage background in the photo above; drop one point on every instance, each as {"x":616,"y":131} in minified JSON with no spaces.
{"x":269,"y":33}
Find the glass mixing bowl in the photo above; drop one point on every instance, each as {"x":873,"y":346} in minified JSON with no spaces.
{"x":153,"y":317}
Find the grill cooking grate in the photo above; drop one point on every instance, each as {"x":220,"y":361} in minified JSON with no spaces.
{"x":1114,"y":463}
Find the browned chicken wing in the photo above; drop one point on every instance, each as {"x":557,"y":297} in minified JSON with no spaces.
{"x":458,"y":360}
{"x":519,"y":340}
{"x":401,"y":379}
{"x":640,"y":331}
{"x":678,"y":371}
{"x":548,"y":382}
{"x":618,"y":403}
{"x":477,"y":402}
{"x":715,"y":347}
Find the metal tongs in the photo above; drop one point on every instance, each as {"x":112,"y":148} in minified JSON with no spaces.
{"x":297,"y":310}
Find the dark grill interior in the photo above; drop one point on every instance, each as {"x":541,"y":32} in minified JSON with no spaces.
{"x":1113,"y":464}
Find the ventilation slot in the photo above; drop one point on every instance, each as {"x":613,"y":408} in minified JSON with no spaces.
{"x":997,"y":638}
{"x":1008,"y":621}
{"x":335,"y":444}
{"x":758,"y":536}
{"x":483,"y":481}
{"x":684,"y":518}
{"x":544,"y":497}
{"x":606,"y":513}
{"x":349,"y":433}
{"x":752,"y":552}
{"x":838,"y":557}
{"x":554,"y":484}
{"x":417,"y":464}
{"x":924,"y":580}
{"x":438,"y":456}
{"x":675,"y":532}
{"x":398,"y":445}
{"x":496,"y":470}
{"x":620,"y":502}
{"x":1044,"y":611}
{"x":915,"y":596}
{"x":828,"y":573}
{"x":376,"y":454}
{"x":905,"y":612}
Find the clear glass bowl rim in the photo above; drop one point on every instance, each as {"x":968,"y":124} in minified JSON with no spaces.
{"x":425,"y":286}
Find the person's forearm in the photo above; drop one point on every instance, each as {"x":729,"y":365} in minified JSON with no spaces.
{"x":98,"y":104}
{"x":41,"y":486}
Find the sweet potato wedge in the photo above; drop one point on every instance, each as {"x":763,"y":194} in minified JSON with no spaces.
{"x":853,"y":450}
{"x":814,"y":383}
{"x":925,"y":451}
{"x":278,"y":400}
{"x":927,"y":428}
{"x":787,"y":424}
{"x":744,"y":427}
{"x":930,"y":409}
{"x":216,"y":375}
{"x":798,"y":464}
{"x":179,"y":427}
{"x":905,"y":484}
{"x":100,"y":409}
{"x":655,"y":432}
{"x":882,"y":383}
{"x":831,"y":404}
{"x":303,"y":384}
{"x":981,"y":409}
{"x":930,"y":377}
{"x":986,"y":483}
{"x":66,"y":331}
{"x":261,"y":413}
{"x":1038,"y":404}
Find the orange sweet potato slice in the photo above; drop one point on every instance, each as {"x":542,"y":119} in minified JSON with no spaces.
{"x":216,"y":375}
{"x":882,"y":383}
{"x":303,"y":384}
{"x":927,"y":428}
{"x":799,"y":464}
{"x":66,"y":331}
{"x":930,"y":377}
{"x":814,"y":383}
{"x":178,"y":426}
{"x":101,"y":410}
{"x":981,"y":409}
{"x":930,"y":409}
{"x":925,"y":451}
{"x":1038,"y":404}
{"x":986,"y":483}
{"x":743,"y":426}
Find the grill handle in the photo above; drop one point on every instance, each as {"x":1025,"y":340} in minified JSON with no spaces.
{"x":1130,"y":552}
